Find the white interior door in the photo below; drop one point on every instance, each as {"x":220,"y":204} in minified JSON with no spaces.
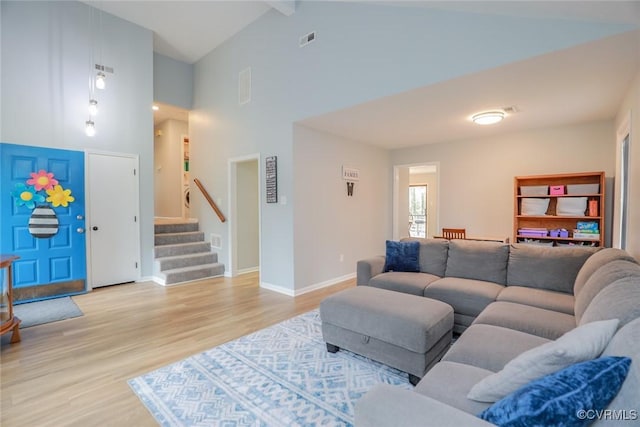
{"x":112,"y":224}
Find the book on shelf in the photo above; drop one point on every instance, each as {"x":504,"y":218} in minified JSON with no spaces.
{"x":589,"y":236}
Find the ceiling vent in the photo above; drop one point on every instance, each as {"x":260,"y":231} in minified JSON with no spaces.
{"x":307,"y":38}
{"x":244,"y":86}
{"x":512,"y":109}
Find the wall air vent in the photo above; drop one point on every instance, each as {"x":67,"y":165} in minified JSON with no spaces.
{"x":215,"y":240}
{"x":244,"y":86}
{"x":307,"y":38}
{"x":104,"y":68}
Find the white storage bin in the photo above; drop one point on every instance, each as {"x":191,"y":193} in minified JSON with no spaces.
{"x":571,"y":206}
{"x":583,"y":188}
{"x":534,"y":206}
{"x":534,"y":190}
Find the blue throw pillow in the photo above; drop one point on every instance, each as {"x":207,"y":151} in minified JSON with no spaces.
{"x":402,"y":256}
{"x":564,"y":398}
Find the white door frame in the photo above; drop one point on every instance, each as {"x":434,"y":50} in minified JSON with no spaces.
{"x":623,"y":130}
{"x":396,"y":197}
{"x":87,"y":177}
{"x":233,"y":220}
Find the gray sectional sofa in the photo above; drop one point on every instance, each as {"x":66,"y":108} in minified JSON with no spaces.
{"x":507,"y":300}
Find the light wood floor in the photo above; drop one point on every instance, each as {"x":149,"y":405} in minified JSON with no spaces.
{"x":74,"y":372}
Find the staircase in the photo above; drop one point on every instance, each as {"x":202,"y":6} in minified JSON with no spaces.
{"x":182,"y":255}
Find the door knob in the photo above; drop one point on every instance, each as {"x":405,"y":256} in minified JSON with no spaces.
{"x":94,"y":228}
{"x":80,"y":230}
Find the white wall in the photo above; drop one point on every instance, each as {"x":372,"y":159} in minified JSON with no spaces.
{"x":401,"y":202}
{"x":172,"y":81}
{"x":328,"y":222}
{"x":631,"y":105}
{"x":168,"y":168}
{"x":46,"y":59}
{"x":362,"y":52}
{"x":476,"y":176}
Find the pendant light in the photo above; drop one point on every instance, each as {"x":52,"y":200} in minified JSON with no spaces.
{"x":90,"y":128}
{"x":101,"y":80}
{"x":93,"y":107}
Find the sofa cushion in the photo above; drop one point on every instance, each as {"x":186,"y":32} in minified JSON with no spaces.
{"x":625,"y":343}
{"x":459,"y":378}
{"x":461,"y":322}
{"x":478,"y":260}
{"x":408,"y":283}
{"x":466,"y":296}
{"x":491,"y":347}
{"x":582,"y":343}
{"x":550,"y":300}
{"x":532,"y":320}
{"x":596,"y":261}
{"x":433,"y":255}
{"x":553,"y":268}
{"x":619,"y":300}
{"x":600,"y":279}
{"x":560,"y":398}
{"x":402,"y":256}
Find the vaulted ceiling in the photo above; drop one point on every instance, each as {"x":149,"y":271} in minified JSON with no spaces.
{"x":578,"y":84}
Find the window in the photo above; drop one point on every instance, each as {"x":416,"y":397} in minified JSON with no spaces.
{"x":418,"y":211}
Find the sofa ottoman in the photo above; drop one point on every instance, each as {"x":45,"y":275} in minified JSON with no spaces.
{"x":403,"y":331}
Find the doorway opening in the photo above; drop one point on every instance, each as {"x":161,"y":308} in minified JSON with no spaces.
{"x":245,"y":255}
{"x":171,"y":162}
{"x":415,"y":200}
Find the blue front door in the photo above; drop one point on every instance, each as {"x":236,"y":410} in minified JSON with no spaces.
{"x":42,"y":207}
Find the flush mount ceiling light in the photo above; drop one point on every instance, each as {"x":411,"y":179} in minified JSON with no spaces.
{"x":488,"y":117}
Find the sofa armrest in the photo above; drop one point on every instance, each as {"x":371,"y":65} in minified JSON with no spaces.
{"x":368,"y":268}
{"x":386,"y":405}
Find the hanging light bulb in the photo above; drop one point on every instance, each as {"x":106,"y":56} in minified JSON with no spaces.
{"x":100,"y":80}
{"x":93,"y":107}
{"x":90,"y":128}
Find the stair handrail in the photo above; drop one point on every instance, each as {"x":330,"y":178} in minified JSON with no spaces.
{"x":210,"y":200}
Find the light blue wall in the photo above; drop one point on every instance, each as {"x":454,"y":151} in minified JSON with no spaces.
{"x":46,"y":58}
{"x":172,"y":81}
{"x":362,"y":52}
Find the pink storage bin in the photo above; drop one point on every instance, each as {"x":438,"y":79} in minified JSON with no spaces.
{"x":556,"y":190}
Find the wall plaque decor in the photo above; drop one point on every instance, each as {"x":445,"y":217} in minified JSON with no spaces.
{"x":350,"y":175}
{"x":271,"y":172}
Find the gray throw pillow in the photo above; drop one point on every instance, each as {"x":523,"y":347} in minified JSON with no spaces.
{"x":583,"y":343}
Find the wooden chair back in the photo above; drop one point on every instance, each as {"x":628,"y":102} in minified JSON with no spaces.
{"x":454,"y":233}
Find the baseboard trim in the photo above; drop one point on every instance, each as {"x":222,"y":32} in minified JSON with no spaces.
{"x":324,"y":284}
{"x":158,"y":280}
{"x":248,"y":270}
{"x":306,"y":289}
{"x":163,"y":282}
{"x":276,"y":288}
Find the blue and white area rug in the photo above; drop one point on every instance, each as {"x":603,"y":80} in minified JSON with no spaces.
{"x":279,"y":376}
